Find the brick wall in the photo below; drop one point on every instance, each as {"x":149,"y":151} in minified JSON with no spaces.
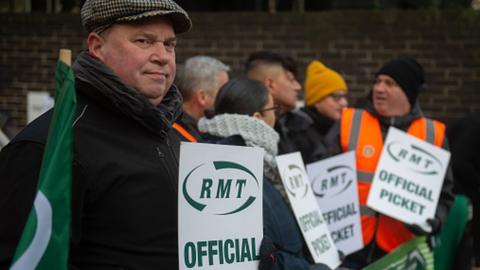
{"x":354,"y":43}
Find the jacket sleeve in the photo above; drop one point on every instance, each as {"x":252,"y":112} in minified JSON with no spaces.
{"x":279,"y":225}
{"x":463,"y":139}
{"x":19,"y":169}
{"x":285,"y":260}
{"x":446,"y":196}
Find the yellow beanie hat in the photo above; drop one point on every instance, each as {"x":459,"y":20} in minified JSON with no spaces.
{"x":320,"y":82}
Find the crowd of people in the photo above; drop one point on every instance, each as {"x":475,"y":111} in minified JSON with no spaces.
{"x":134,"y":108}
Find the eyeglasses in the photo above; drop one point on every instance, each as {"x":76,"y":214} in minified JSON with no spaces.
{"x":274,"y":107}
{"x":338,"y":96}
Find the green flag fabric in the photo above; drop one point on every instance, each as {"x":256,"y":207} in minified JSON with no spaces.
{"x":45,"y":241}
{"x":415,"y":254}
{"x":451,"y":234}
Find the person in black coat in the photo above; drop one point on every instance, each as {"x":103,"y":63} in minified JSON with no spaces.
{"x":244,"y":115}
{"x":125,"y":158}
{"x":465,"y":148}
{"x":199,"y":80}
{"x":278,"y":73}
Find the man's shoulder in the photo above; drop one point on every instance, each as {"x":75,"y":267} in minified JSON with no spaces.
{"x":189,"y":123}
{"x":185,"y":128}
{"x":36,"y":131}
{"x":295,"y":120}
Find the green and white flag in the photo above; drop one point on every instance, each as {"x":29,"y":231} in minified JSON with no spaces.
{"x":415,"y":254}
{"x":45,"y":241}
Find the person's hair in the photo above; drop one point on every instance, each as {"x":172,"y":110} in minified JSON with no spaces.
{"x":199,"y":72}
{"x":240,"y":96}
{"x":266,"y":58}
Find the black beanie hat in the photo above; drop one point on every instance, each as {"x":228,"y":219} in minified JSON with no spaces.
{"x":407,"y":73}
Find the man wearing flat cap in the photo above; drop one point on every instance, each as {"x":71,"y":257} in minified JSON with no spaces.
{"x":392,"y":102}
{"x":124,"y":191}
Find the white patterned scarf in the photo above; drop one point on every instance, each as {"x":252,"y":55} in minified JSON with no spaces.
{"x":254,"y":132}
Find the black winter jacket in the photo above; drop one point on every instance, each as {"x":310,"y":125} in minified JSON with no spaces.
{"x":463,"y":136}
{"x":307,"y":131}
{"x":190,"y":125}
{"x":124,"y":194}
{"x":294,"y":128}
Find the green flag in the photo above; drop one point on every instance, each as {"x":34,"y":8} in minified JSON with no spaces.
{"x":450,"y":236}
{"x":415,"y":254}
{"x":45,"y":241}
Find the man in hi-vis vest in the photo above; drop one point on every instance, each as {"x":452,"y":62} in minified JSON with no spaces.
{"x":392,"y":102}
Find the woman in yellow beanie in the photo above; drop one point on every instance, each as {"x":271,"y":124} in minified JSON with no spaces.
{"x":325,"y":90}
{"x":325,"y":98}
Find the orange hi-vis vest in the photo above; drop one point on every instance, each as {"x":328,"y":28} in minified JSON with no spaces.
{"x":361,"y":131}
{"x":184,"y":132}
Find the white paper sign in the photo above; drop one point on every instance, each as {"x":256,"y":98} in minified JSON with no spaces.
{"x":309,"y":217}
{"x":408,"y":179}
{"x":220,"y":221}
{"x":334,"y":184}
{"x":37,"y":104}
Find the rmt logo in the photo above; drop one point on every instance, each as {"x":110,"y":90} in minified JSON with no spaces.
{"x":414,"y":158}
{"x":207,"y":186}
{"x":295,"y":181}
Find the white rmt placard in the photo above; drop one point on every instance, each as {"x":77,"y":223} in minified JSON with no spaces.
{"x":220,"y":221}
{"x":334,"y":184}
{"x":309,"y":217}
{"x":408,"y":179}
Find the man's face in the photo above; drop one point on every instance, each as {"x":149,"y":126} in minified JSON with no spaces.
{"x":332,"y":105}
{"x":284,"y":89}
{"x":388,"y":98}
{"x":142,"y":54}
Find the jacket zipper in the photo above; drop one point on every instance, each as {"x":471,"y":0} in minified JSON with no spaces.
{"x":170,"y":171}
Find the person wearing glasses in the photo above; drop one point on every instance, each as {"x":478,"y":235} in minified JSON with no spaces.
{"x":244,"y":115}
{"x":325,"y":98}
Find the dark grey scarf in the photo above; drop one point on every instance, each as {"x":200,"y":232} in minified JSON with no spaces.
{"x":107,"y":88}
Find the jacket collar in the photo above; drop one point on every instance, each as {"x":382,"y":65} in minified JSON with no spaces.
{"x":401,"y":122}
{"x":98,"y":82}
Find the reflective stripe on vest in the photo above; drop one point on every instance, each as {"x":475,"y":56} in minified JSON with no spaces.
{"x":355,"y":130}
{"x":364,"y":176}
{"x":368,"y":148}
{"x":184,"y":132}
{"x":361,"y":131}
{"x":428,"y":130}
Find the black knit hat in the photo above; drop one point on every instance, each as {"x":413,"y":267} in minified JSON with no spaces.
{"x":407,"y":73}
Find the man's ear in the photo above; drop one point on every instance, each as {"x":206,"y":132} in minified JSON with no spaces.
{"x":257,"y":115}
{"x":201,"y":96}
{"x":95,"y":43}
{"x":269,"y":84}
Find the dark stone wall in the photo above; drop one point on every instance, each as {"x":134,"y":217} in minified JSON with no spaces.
{"x":355,"y":43}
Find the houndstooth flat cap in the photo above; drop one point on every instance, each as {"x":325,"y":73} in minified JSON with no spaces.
{"x":98,"y":15}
